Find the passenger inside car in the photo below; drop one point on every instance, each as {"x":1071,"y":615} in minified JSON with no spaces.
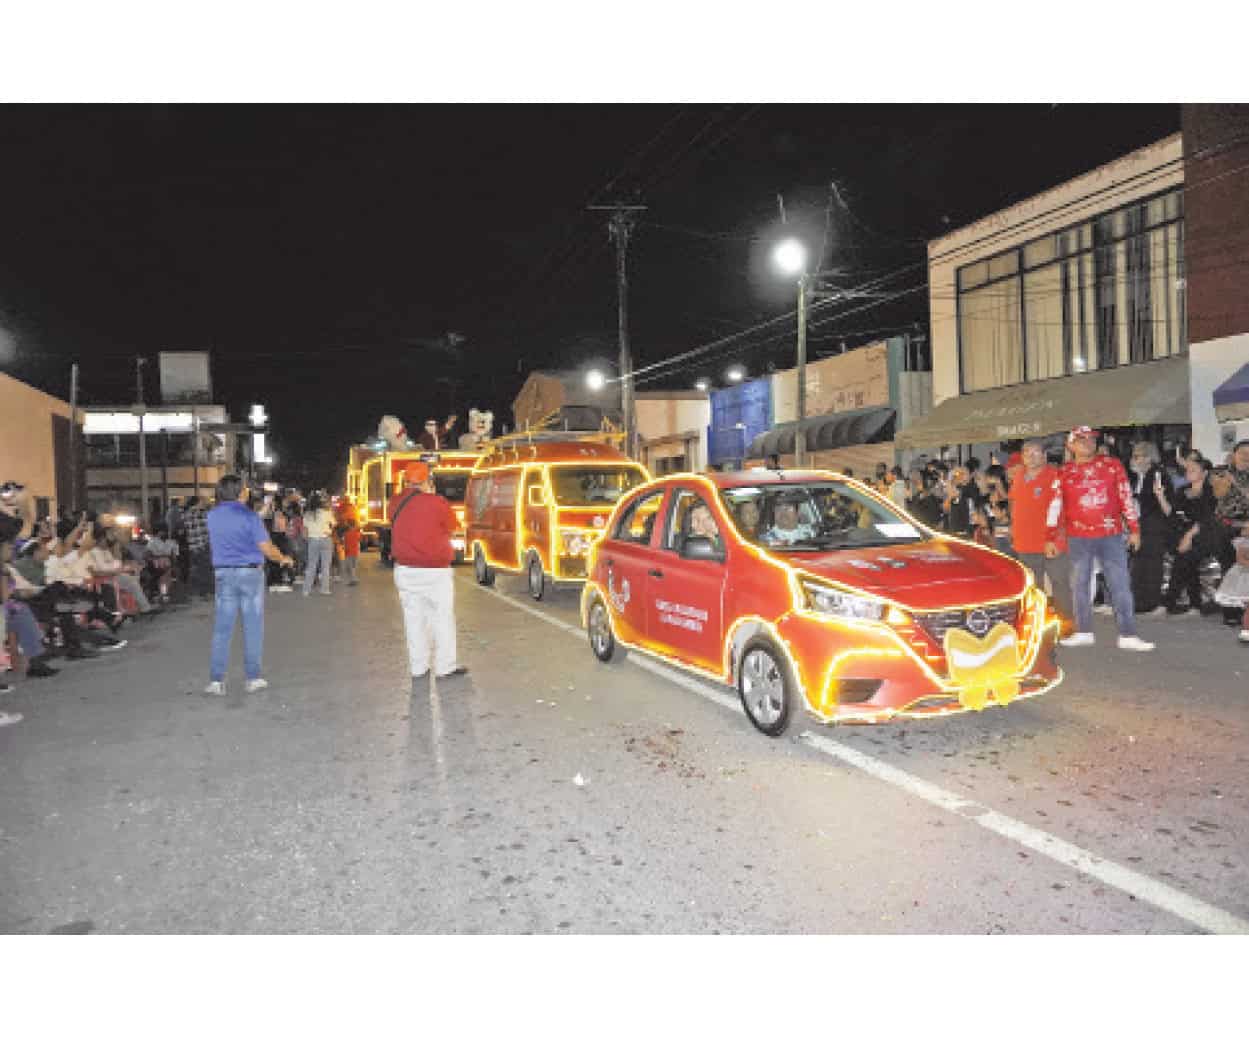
{"x":703,"y":524}
{"x":786,"y":527}
{"x":748,"y":518}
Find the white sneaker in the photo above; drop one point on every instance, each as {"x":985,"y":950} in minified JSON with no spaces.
{"x":1134,"y":643}
{"x":217,"y":689}
{"x":9,"y":718}
{"x":256,"y":685}
{"x":1103,"y":608}
{"x":1244,"y":635}
{"x":1079,"y":639}
{"x":1158,"y":611}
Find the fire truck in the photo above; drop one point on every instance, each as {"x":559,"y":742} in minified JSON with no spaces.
{"x":374,"y":475}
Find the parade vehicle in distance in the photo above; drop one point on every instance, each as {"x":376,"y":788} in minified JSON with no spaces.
{"x":537,"y":502}
{"x":808,"y":589}
{"x":380,"y":476}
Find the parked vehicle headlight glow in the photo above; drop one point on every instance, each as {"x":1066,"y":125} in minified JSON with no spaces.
{"x":825,"y":600}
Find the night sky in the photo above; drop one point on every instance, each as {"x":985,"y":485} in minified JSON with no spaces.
{"x":322,"y":253}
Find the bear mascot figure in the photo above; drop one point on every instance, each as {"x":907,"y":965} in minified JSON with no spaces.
{"x":480,"y":426}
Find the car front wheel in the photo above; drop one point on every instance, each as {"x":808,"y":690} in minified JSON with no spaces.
{"x":766,"y":687}
{"x":598,"y":627}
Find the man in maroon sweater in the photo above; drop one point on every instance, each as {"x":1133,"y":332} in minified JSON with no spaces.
{"x":421,"y":525}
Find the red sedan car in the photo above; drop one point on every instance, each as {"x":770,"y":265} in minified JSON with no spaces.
{"x":809,"y":589}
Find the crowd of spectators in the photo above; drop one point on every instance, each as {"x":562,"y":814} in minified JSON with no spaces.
{"x":68,"y":587}
{"x":1193,"y":517}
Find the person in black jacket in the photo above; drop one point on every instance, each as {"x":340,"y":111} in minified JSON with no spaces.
{"x":1197,"y":532}
{"x":1152,"y":490}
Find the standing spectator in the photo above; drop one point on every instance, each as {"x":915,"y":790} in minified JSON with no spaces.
{"x":1034,"y":485}
{"x":924,"y":502}
{"x":318,"y":526}
{"x":1094,"y":501}
{"x":240,"y":545}
{"x":351,"y":548}
{"x":296,"y":535}
{"x":195,"y":524}
{"x":280,"y":577}
{"x":162,"y":555}
{"x":997,"y":508}
{"x":1198,"y":537}
{"x":962,"y":503}
{"x":421,"y":527}
{"x":1152,"y":491}
{"x":897,"y":488}
{"x":175,"y":521}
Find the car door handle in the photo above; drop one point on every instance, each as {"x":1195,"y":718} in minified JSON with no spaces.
{"x":655,"y":573}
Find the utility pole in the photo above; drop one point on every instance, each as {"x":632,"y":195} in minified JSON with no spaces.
{"x":620,"y":227}
{"x":800,"y":440}
{"x":73,"y":441}
{"x":141,"y":408}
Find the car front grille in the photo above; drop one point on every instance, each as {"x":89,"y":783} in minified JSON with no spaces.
{"x":938,"y":623}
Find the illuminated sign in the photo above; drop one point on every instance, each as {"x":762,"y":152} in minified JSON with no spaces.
{"x":128,"y":422}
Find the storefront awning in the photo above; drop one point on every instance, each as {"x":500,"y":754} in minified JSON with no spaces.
{"x":1231,"y":399}
{"x":1155,"y":392}
{"x":823,"y":432}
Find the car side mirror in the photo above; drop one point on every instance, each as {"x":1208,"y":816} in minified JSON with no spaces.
{"x":698,"y":547}
{"x":536,"y":495}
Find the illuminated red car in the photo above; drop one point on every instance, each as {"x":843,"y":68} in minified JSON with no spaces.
{"x":806,"y":588}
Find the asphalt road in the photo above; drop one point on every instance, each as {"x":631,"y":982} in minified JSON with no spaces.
{"x":339,"y":801}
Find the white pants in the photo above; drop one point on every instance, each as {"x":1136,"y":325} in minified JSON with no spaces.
{"x":427,"y":596}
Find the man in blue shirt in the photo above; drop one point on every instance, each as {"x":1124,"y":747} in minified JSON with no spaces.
{"x":240,"y":545}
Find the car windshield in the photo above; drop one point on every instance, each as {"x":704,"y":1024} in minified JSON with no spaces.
{"x":816,"y":516}
{"x":593,"y":485}
{"x":451,"y":484}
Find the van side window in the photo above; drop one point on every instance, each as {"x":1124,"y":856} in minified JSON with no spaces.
{"x":638,"y":520}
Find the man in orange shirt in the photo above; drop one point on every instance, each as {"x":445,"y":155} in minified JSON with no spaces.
{"x":1032,"y":485}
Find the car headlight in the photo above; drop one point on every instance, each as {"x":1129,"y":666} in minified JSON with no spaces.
{"x":825,"y":600}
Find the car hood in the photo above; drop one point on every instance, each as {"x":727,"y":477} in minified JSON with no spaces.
{"x":930,"y":575}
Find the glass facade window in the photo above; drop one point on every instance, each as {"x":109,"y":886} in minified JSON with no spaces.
{"x":1107,"y":292}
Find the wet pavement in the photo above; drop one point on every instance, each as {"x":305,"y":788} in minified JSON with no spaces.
{"x":339,"y":801}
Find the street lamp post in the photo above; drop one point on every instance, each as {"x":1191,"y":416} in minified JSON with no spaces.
{"x":791,"y":258}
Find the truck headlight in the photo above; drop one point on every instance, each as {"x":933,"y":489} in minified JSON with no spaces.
{"x":825,"y":600}
{"x":575,"y":543}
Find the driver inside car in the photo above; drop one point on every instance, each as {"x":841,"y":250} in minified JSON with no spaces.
{"x":785,"y":528}
{"x":703,"y":525}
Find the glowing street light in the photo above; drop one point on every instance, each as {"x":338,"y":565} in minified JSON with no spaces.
{"x":595,"y":379}
{"x":735,"y":374}
{"x":790,"y":257}
{"x":703,"y":385}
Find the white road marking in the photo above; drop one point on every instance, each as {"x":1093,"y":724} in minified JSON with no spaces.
{"x":1207,"y":917}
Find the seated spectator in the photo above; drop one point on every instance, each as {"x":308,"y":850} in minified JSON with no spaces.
{"x":1233,"y":591}
{"x":105,"y":561}
{"x":1194,"y":509}
{"x":55,"y":605}
{"x":162,"y":554}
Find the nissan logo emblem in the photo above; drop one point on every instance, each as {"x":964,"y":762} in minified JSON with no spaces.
{"x":978,"y":622}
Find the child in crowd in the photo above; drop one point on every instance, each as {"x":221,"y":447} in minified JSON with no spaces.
{"x":1234,"y":589}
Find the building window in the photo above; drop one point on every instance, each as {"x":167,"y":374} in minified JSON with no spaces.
{"x":1107,"y":292}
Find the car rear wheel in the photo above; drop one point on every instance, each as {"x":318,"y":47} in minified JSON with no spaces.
{"x":537,"y":580}
{"x":598,"y":627}
{"x":766,"y":687}
{"x":481,"y":569}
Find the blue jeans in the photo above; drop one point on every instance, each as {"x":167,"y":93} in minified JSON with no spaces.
{"x":240,"y":591}
{"x":320,"y":555}
{"x":1111,"y":552}
{"x":22,"y":623}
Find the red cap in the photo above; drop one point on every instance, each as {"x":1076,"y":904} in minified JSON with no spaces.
{"x":416,"y":473}
{"x":1083,"y":431}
